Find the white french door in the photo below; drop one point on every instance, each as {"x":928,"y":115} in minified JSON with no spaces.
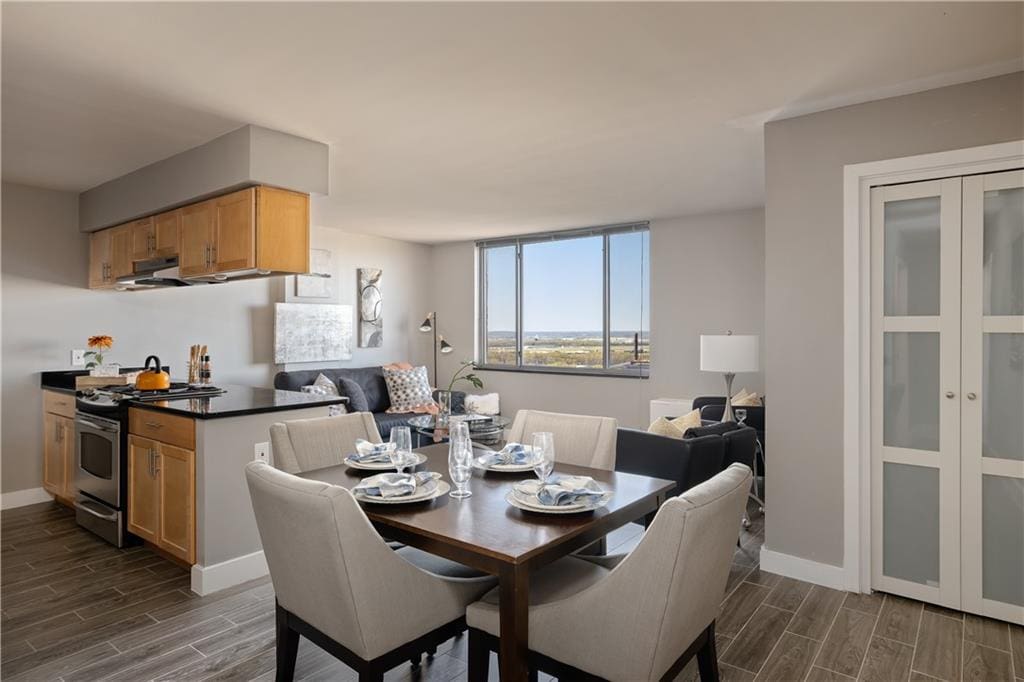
{"x":992,"y":436}
{"x":947,"y":392}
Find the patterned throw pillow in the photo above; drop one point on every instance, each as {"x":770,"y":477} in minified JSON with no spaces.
{"x":408,"y":389}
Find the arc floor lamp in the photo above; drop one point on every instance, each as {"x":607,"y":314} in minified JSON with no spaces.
{"x":440,"y":345}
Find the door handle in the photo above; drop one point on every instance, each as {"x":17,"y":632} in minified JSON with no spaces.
{"x":972,"y":396}
{"x":87,"y":510}
{"x":950,"y":394}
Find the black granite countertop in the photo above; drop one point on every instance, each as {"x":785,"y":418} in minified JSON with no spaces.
{"x":63,"y":380}
{"x":239,"y":401}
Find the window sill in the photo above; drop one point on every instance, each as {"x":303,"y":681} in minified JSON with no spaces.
{"x":564,"y":371}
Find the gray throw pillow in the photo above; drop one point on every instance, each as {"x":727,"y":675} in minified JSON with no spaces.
{"x":356,"y":397}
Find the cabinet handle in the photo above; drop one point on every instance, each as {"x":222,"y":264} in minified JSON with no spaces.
{"x":154,"y":425}
{"x":56,"y":431}
{"x":207,"y":255}
{"x":971,"y":396}
{"x":156,"y":462}
{"x":213,"y":254}
{"x":950,"y":394}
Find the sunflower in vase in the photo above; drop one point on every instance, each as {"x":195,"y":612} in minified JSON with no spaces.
{"x":99,"y":345}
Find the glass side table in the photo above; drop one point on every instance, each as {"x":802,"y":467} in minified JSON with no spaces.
{"x":486,"y":431}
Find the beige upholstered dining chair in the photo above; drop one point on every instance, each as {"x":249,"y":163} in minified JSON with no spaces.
{"x":646,"y":617}
{"x":579,"y":439}
{"x":308,"y":444}
{"x":340,"y":586}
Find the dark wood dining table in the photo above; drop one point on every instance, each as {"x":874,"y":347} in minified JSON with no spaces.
{"x":485,"y":532}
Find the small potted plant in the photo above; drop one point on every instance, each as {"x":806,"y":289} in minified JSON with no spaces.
{"x":98,"y":345}
{"x":444,"y":398}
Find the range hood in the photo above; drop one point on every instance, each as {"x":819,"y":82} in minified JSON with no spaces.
{"x":157,"y":273}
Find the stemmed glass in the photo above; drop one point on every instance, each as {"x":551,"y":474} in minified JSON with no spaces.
{"x":401,"y":454}
{"x":460,"y":459}
{"x":741,"y":415}
{"x":543,"y":454}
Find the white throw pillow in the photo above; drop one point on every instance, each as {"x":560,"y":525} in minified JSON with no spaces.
{"x":408,"y":389}
{"x":687,"y":421}
{"x":483,"y":404}
{"x":663,"y":427}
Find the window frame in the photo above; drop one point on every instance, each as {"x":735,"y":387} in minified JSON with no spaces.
{"x":605,"y":232}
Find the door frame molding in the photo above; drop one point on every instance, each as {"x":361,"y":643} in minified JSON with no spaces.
{"x":858,"y":179}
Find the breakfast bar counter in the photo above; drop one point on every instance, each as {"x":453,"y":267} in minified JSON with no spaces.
{"x":240,"y":401}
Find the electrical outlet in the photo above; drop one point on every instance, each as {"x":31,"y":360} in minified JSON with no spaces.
{"x":262,"y":453}
{"x":78,"y":357}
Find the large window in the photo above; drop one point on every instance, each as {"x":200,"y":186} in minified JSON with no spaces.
{"x":575,"y":301}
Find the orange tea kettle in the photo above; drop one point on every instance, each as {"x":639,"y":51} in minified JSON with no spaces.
{"x":154,"y":379}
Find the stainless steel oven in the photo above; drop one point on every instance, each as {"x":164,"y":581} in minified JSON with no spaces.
{"x":98,"y":475}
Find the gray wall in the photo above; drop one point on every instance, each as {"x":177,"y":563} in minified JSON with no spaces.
{"x":804,"y":278}
{"x":707,"y":274}
{"x":47,"y":311}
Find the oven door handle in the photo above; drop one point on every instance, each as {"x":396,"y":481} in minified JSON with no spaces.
{"x":94,"y":425}
{"x":105,"y":517}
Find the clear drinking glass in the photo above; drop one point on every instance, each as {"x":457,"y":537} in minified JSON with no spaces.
{"x":460,"y":459}
{"x":741,"y":414}
{"x":401,"y":454}
{"x":544,"y":454}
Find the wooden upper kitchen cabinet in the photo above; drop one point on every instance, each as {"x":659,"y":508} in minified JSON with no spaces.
{"x":59,"y":445}
{"x":99,"y":259}
{"x":253,"y":232}
{"x":263,"y":229}
{"x":195,"y":239}
{"x":234,"y":231}
{"x":155,"y":236}
{"x":144,"y":489}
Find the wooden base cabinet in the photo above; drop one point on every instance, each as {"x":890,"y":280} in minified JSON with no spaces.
{"x":162,"y":496}
{"x":59,"y":446}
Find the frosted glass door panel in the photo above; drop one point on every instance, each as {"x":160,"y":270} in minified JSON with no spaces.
{"x":912,"y":257}
{"x":1002,"y":523}
{"x":910,"y":523}
{"x":1003,"y":252}
{"x":1002,"y":407}
{"x":911,"y":390}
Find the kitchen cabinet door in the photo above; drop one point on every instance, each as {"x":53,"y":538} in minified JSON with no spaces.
{"x":54,"y":469}
{"x":99,"y":259}
{"x":120,"y":251}
{"x":234,"y":241}
{"x":165,"y":234}
{"x":178,"y":501}
{"x":142,"y":239}
{"x":195,"y":239}
{"x":143,"y":488}
{"x":282,"y":230}
{"x":66,"y":431}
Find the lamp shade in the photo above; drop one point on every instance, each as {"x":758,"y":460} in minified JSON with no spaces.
{"x":445,"y":346}
{"x":729,"y":353}
{"x":427,"y":325}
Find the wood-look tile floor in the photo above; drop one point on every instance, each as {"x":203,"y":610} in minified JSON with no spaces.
{"x":74,"y":608}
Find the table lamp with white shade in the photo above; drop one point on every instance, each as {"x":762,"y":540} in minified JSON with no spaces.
{"x":729,"y":354}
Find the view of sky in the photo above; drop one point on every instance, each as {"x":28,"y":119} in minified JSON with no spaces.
{"x":562,"y":282}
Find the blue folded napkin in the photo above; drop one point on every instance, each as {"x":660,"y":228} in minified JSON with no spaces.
{"x":371,"y":453}
{"x":513,"y":453}
{"x":562,"y":491}
{"x":396,"y":485}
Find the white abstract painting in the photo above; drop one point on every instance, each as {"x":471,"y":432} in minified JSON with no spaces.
{"x":317,"y":284}
{"x":312,"y":332}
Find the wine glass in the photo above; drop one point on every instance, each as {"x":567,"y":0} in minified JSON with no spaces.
{"x":543,"y":454}
{"x":401,"y":453}
{"x":741,"y":415}
{"x":460,"y":459}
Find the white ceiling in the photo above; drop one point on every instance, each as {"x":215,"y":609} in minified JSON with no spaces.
{"x":456,"y":121}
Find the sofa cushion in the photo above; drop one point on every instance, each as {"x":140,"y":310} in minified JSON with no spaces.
{"x":711,"y":429}
{"x":389,"y":420}
{"x":408,"y":389}
{"x":356,"y":396}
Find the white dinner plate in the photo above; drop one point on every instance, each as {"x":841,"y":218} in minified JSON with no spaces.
{"x":517,"y":502}
{"x":503,"y":468}
{"x":442,"y":488}
{"x":416,"y":460}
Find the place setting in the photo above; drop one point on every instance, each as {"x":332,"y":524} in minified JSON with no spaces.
{"x":547,"y":494}
{"x":396,"y":454}
{"x":396,"y":488}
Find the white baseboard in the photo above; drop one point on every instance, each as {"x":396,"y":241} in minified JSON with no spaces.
{"x":799,"y":568}
{"x":207,"y":579}
{"x":22,"y":498}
